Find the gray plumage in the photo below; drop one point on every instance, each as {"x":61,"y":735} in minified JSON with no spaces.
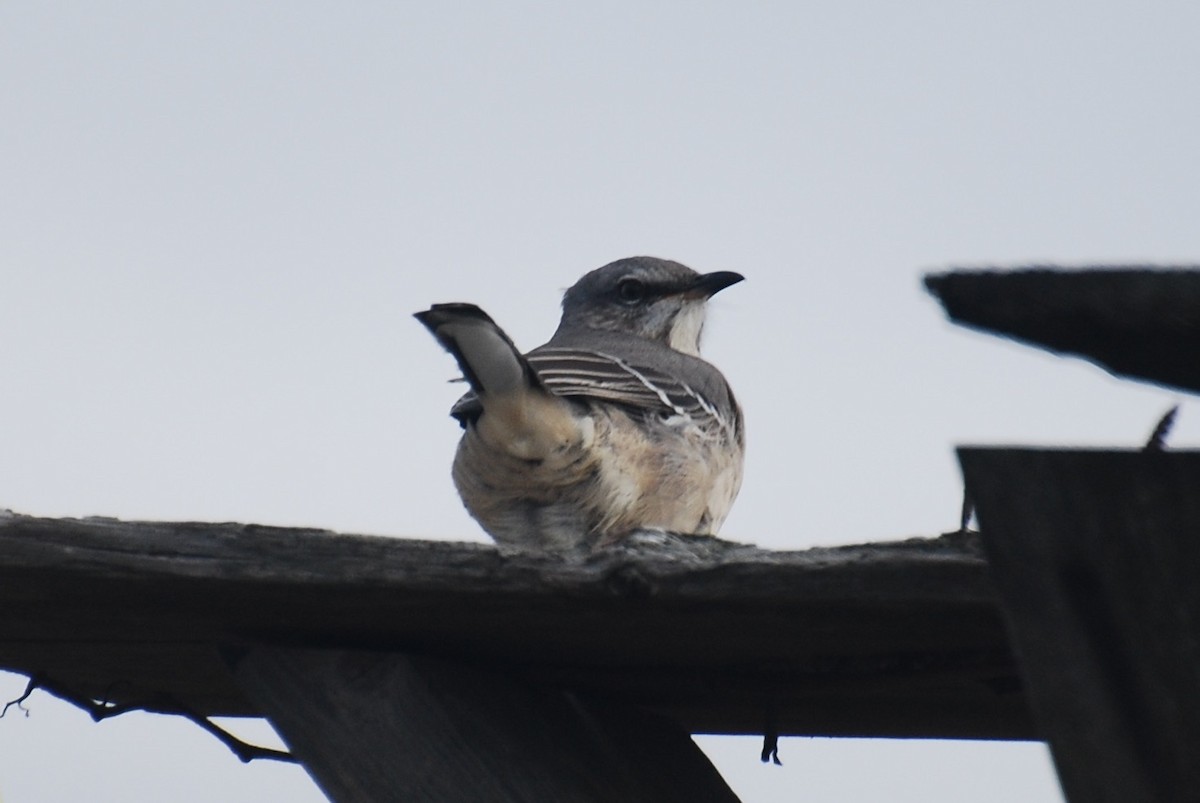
{"x":616,"y":424}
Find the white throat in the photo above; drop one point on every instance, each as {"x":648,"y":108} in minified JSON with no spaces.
{"x":686,"y":328}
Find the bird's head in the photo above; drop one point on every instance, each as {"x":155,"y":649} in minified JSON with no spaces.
{"x":653,"y":298}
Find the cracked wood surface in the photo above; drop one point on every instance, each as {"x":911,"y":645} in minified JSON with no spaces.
{"x":888,"y":639}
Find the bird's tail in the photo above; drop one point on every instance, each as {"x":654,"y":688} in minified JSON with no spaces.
{"x":517,"y":414}
{"x":489,"y":360}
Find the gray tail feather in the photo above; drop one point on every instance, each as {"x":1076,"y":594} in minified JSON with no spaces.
{"x":488,"y":358}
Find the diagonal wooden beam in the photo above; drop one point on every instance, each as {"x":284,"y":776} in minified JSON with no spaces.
{"x":383,"y":726}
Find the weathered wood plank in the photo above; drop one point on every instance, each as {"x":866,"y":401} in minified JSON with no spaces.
{"x":890,"y":639}
{"x":1096,"y":555}
{"x":387,"y":726}
{"x":1139,"y":321}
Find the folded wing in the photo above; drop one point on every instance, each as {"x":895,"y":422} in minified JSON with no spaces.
{"x":584,"y":374}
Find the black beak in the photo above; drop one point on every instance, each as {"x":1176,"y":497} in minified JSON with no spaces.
{"x":710,"y":284}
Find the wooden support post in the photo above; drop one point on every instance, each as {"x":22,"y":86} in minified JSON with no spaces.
{"x":1096,"y":557}
{"x":381,"y":726}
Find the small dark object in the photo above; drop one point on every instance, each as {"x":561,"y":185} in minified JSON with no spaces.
{"x":20,"y":701}
{"x":770,"y":750}
{"x":1158,"y":438}
{"x":968,"y":512}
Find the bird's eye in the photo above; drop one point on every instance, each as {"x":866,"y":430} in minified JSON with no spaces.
{"x":631,"y":291}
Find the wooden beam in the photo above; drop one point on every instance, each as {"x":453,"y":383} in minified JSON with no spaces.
{"x":1140,"y":321}
{"x":892,"y":639}
{"x":388,"y":726}
{"x":1096,"y":556}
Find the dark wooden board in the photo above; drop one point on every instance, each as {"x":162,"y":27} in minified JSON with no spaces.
{"x":384,"y":726}
{"x":890,"y":639}
{"x":1096,"y":554}
{"x":1140,"y":321}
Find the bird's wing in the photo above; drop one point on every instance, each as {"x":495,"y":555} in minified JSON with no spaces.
{"x":589,"y":374}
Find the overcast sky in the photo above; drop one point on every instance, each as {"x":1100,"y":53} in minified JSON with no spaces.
{"x":216,"y":219}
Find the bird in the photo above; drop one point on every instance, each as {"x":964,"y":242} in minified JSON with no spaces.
{"x":613,"y":426}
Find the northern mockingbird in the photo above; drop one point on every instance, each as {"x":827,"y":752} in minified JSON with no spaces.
{"x":615,"y":425}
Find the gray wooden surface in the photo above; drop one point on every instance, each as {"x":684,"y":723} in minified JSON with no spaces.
{"x":890,"y":639}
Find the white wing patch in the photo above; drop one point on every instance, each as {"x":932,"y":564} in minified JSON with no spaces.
{"x":596,"y":375}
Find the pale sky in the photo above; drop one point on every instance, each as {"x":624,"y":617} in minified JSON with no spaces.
{"x":217,"y":218}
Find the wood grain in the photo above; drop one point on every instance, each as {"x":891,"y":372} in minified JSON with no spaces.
{"x":889,"y":639}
